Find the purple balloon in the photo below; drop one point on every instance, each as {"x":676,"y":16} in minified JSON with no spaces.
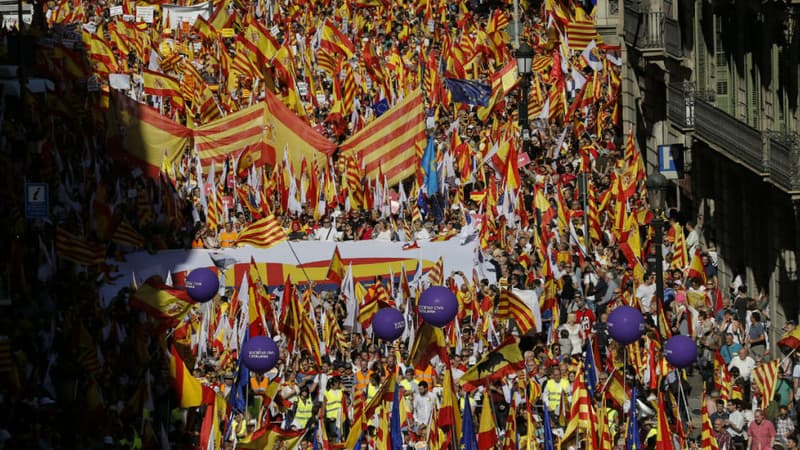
{"x":625,"y":324}
{"x":202,"y":284}
{"x":680,"y":351}
{"x":260,"y":354}
{"x":388,"y":324}
{"x":438,"y":306}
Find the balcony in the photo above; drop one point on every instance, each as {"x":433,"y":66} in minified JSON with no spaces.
{"x":773,"y":156}
{"x":652,"y":33}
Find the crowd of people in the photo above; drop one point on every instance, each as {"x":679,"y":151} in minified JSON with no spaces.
{"x":86,"y":373}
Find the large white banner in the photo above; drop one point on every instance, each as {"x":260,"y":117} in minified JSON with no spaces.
{"x":304,"y":261}
{"x":173,"y":15}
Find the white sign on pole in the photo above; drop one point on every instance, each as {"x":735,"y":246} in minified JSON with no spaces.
{"x":145,"y":14}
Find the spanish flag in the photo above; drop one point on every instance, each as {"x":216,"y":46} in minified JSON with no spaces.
{"x":162,"y":85}
{"x":161,"y":301}
{"x":188,"y":388}
{"x":272,"y":436}
{"x":696,"y":269}
{"x":336,"y":269}
{"x":503,"y":360}
{"x":487,"y":428}
{"x":791,"y":339}
{"x":334,"y":40}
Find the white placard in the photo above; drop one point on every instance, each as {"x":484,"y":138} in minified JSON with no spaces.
{"x":172,"y":16}
{"x":321,"y":99}
{"x":90,"y":27}
{"x":121,"y":81}
{"x":115,"y":11}
{"x":302,"y":88}
{"x":274,"y":31}
{"x":145,"y":14}
{"x":128,"y":17}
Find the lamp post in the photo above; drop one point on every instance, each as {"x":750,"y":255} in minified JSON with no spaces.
{"x":524,"y":57}
{"x":657,"y":185}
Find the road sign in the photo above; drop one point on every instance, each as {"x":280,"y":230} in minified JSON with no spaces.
{"x":37,"y":200}
{"x":666,"y":162}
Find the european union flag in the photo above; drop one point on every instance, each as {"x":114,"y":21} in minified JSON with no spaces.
{"x":470,"y":92}
{"x":633,"y":441}
{"x":381,"y":107}
{"x":395,"y":432}
{"x":590,"y":369}
{"x":238,"y":396}
{"x":469,"y":435}
{"x":548,"y":429}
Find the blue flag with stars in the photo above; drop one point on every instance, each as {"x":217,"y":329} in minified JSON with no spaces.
{"x":590,"y":369}
{"x":632,"y":441}
{"x":381,"y":107}
{"x":548,"y":430}
{"x":470,"y":92}
{"x":469,"y":435}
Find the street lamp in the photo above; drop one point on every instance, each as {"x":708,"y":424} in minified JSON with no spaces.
{"x":524,"y":56}
{"x":656,"y":185}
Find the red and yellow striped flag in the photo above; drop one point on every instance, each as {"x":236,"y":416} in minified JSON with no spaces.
{"x":125,"y":234}
{"x":707,"y":439}
{"x":78,"y":250}
{"x":765,"y":380}
{"x":389,"y":143}
{"x":262,"y":233}
{"x":336,"y":269}
{"x":511,"y":306}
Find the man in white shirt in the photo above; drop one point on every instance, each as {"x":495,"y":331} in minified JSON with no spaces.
{"x":424,"y":402}
{"x":744,"y":363}
{"x":326,"y":232}
{"x":422,"y":233}
{"x":736,"y":423}
{"x":646,"y":291}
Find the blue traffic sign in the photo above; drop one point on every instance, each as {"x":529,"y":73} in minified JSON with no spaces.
{"x":37,"y":200}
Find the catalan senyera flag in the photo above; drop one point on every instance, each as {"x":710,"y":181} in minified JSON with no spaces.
{"x":263,"y":233}
{"x":707,"y":439}
{"x":190,"y":392}
{"x":791,"y":339}
{"x":146,"y":138}
{"x":765,"y":379}
{"x":580,"y":34}
{"x":336,"y":269}
{"x":680,"y":255}
{"x":503,"y":360}
{"x":78,"y":250}
{"x":511,"y":306}
{"x":125,"y":234}
{"x":389,"y":143}
{"x":269,"y":126}
{"x":582,"y":415}
{"x":162,"y":301}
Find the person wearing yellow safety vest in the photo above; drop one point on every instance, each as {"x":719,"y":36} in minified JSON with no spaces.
{"x":332,"y":407}
{"x":373,"y":386}
{"x":554,"y":388}
{"x":303,"y":410}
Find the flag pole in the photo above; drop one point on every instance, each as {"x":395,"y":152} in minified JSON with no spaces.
{"x":299,"y":263}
